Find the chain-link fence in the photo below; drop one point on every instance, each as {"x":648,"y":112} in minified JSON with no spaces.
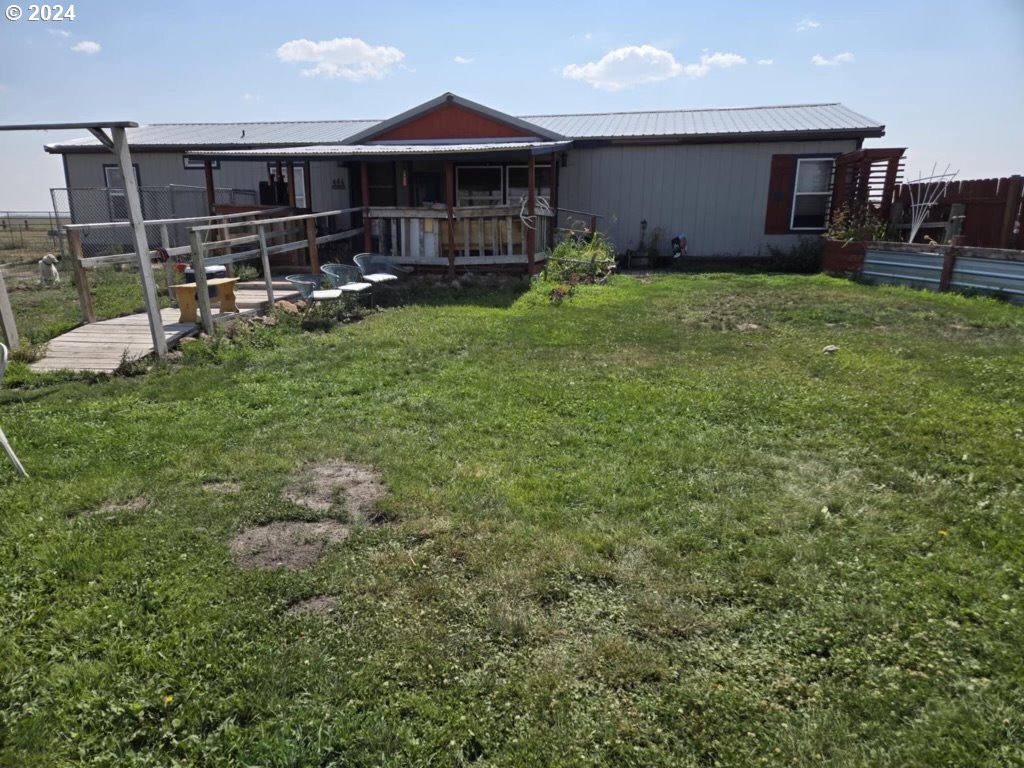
{"x":89,"y":205}
{"x":29,"y":235}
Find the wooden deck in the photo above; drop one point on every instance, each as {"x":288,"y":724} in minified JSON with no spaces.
{"x":102,"y":346}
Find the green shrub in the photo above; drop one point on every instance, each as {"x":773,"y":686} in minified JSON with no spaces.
{"x":579,"y":258}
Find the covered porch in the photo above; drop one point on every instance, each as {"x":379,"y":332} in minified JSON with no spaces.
{"x":441,"y":205}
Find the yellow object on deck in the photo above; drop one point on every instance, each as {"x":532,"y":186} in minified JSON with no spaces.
{"x":188,"y":301}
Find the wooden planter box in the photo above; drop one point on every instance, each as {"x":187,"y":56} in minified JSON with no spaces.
{"x":843,"y":258}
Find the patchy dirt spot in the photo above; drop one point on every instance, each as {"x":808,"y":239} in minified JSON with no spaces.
{"x":291,"y":544}
{"x":221,"y":486}
{"x":120,"y":507}
{"x":321,"y":605}
{"x":745,"y":327}
{"x":357,"y":488}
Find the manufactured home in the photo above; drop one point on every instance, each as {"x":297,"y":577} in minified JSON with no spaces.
{"x":454,"y":178}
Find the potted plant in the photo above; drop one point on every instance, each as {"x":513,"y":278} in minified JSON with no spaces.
{"x":853,"y":225}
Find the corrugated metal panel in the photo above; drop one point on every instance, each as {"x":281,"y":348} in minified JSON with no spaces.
{"x":363,"y":150}
{"x":707,"y":122}
{"x":714,"y":193}
{"x":653,"y":124}
{"x":918,"y":270}
{"x":989,"y":276}
{"x":227,"y":134}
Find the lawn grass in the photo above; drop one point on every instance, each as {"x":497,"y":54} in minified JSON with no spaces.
{"x":43,"y":312}
{"x":625,"y":532}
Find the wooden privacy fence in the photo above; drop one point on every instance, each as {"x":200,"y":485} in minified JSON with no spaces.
{"x":946,"y":268}
{"x":991,"y":211}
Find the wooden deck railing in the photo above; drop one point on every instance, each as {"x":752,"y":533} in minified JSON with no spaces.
{"x":473,"y":235}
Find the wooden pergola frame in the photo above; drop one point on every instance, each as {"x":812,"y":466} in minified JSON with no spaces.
{"x":117,"y":142}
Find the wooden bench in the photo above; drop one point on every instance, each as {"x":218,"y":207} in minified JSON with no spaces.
{"x":188,"y":300}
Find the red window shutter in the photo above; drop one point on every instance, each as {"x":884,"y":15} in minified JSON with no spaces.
{"x":780,"y":195}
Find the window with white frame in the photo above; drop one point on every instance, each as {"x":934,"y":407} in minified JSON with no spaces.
{"x":478,"y":185}
{"x":116,"y":201}
{"x":811,"y":193}
{"x":519,"y":181}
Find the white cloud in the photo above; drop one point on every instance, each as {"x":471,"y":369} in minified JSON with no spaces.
{"x":840,"y":58}
{"x":346,"y":57}
{"x":462,"y":60}
{"x":87,"y":46}
{"x":250,"y":96}
{"x":625,"y":67}
{"x":59,"y":32}
{"x":765,"y":62}
{"x":638,"y":64}
{"x":806,"y":24}
{"x":715,"y":61}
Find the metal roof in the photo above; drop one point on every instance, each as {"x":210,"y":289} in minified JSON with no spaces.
{"x":800,"y":118}
{"x":386,"y":150}
{"x":690,"y":124}
{"x":215,"y":135}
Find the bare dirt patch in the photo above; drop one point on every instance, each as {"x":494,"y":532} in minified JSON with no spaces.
{"x":355,"y":487}
{"x":290,"y":544}
{"x":221,"y":486}
{"x":120,"y":507}
{"x":321,"y":605}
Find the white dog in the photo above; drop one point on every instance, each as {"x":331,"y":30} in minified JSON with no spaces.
{"x":48,"y":274}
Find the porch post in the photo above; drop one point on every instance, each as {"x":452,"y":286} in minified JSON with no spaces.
{"x":449,"y":198}
{"x":307,"y":185}
{"x":364,"y":178}
{"x":552,"y":225}
{"x":291,"y":184}
{"x":131,"y":195}
{"x":531,"y":202}
{"x":211,"y":192}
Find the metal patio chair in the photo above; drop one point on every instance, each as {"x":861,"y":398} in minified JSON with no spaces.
{"x":347,"y":279}
{"x":3,"y":438}
{"x":377,"y":268}
{"x":311,"y":291}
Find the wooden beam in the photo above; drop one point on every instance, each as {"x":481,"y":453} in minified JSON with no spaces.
{"x":314,"y":257}
{"x":211,"y":191}
{"x":364,"y":182}
{"x":265,"y":261}
{"x":307,"y":185}
{"x":1013,"y":196}
{"x":81,"y":276}
{"x":531,"y":203}
{"x":291,"y":184}
{"x":7,"y":326}
{"x":101,"y":137}
{"x":449,"y":198}
{"x":131,"y":193}
{"x":202,"y":291}
{"x":554,"y":199}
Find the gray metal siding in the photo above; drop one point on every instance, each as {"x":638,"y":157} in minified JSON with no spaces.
{"x":714,"y":193}
{"x":161,"y":169}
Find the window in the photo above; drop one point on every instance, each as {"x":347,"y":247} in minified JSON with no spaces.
{"x":198,"y":164}
{"x":116,"y":202}
{"x":519,"y":179}
{"x":478,"y":185}
{"x":811,"y":193}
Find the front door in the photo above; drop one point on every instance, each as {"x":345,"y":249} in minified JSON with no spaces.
{"x":427,"y":188}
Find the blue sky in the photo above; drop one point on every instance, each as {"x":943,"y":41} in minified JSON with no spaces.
{"x":945,"y":77}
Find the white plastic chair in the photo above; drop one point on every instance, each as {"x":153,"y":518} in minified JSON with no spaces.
{"x":3,"y":438}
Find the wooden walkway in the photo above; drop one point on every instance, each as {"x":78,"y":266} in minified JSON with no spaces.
{"x":102,"y":346}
